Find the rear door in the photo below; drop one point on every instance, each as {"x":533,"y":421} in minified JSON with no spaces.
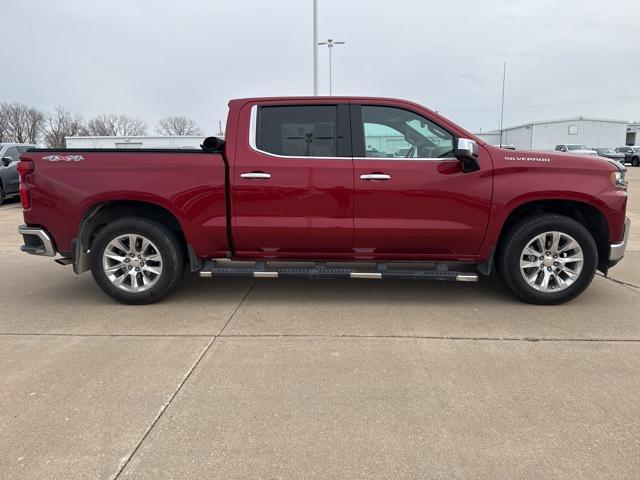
{"x":411,"y":197}
{"x":292,"y":181}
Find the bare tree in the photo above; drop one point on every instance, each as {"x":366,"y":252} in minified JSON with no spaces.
{"x":111,"y":124}
{"x":62,"y":123}
{"x":177,"y":125}
{"x":3,"y":122}
{"x":21,"y":124}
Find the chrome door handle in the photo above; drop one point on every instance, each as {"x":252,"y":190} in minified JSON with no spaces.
{"x":375,"y":176}
{"x":256,"y":175}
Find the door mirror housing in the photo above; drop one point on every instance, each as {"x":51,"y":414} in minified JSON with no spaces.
{"x":467,"y":152}
{"x":6,"y":161}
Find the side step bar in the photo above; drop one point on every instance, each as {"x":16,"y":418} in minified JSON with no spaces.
{"x":213,"y":268}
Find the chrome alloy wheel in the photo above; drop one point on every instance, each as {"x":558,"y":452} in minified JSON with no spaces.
{"x":551,"y":262}
{"x":132,"y":263}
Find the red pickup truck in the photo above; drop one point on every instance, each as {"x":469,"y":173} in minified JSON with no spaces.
{"x":328,"y":187}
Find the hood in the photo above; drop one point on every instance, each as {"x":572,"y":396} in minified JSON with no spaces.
{"x":552,"y":159}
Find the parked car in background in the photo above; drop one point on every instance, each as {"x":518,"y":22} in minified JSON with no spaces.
{"x":575,"y":148}
{"x":611,"y":153}
{"x":9,"y":180}
{"x":631,"y":154}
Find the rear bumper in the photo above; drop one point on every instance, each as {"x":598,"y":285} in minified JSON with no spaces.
{"x":617,"y":249}
{"x":37,"y":241}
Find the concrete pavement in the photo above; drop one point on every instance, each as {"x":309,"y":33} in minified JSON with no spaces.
{"x":315,"y":379}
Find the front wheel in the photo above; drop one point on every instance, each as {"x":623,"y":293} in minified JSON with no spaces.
{"x":635,"y":161}
{"x":547,"y":259}
{"x":136,"y":261}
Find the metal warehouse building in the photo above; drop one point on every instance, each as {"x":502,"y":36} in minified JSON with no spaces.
{"x":592,"y":132}
{"x":187,"y":141}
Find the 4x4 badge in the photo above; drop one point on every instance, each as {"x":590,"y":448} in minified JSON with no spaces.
{"x":63,"y":158}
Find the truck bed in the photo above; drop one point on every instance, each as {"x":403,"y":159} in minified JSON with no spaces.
{"x":68,"y":184}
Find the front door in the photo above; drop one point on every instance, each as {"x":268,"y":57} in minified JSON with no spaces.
{"x":411,"y":196}
{"x":292,"y":194}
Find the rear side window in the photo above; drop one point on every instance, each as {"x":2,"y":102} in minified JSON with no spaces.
{"x":298,"y":131}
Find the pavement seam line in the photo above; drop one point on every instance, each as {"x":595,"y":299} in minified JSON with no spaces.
{"x":435,"y":337}
{"x":615,"y":280}
{"x":331,"y":335}
{"x":125,"y":461}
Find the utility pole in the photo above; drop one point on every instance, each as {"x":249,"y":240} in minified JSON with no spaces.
{"x":504,"y":76}
{"x":330,"y":43}
{"x":315,"y":47}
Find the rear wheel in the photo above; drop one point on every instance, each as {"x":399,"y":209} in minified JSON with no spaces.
{"x":547,"y":259}
{"x":136,"y":261}
{"x":635,"y":161}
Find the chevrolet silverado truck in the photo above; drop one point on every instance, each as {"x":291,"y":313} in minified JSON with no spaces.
{"x":338,"y":187}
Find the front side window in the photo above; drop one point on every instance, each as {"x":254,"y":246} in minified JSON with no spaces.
{"x":391,"y":132}
{"x":12,"y":153}
{"x":298,"y":131}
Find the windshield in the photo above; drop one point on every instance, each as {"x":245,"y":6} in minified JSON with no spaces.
{"x":577,"y":147}
{"x":606,"y":150}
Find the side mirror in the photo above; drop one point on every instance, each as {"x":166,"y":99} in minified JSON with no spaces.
{"x":6,"y":161}
{"x":213,"y":145}
{"x":467,"y":152}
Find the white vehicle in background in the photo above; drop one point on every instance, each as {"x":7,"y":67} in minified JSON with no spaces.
{"x":575,"y":148}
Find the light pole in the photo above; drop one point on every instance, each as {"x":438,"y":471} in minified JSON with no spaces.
{"x":315,"y":47}
{"x":330,"y":43}
{"x":504,"y":77}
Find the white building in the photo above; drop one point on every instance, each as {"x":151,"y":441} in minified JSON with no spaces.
{"x":190,"y":141}
{"x":592,"y":132}
{"x":633,"y":133}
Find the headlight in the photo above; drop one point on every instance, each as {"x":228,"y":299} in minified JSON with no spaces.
{"x":618,"y":179}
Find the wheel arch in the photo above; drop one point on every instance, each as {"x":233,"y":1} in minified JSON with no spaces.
{"x":100,"y":214}
{"x":588,"y":215}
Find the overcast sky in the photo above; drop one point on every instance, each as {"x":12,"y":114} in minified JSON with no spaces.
{"x":153,"y":58}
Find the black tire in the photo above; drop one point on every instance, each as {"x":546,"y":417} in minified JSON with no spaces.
{"x":168,"y":245}
{"x":1,"y":194}
{"x":514,"y":242}
{"x":635,"y":161}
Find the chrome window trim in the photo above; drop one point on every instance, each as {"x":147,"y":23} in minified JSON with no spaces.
{"x":403,"y":159}
{"x":253,"y":133}
{"x":253,"y":125}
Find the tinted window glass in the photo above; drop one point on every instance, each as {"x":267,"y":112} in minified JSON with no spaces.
{"x":298,"y":131}
{"x":396,"y":133}
{"x":12,"y":152}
